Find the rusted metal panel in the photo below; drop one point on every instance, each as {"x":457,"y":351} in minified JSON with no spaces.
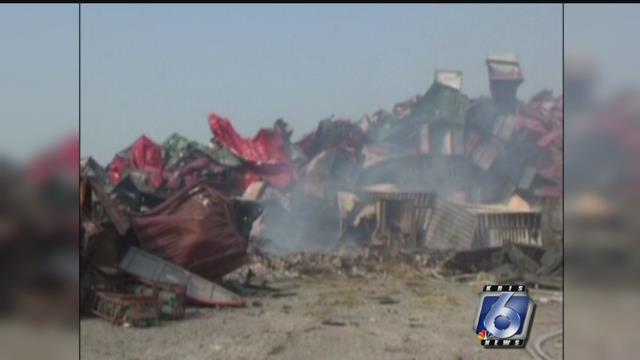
{"x":150,"y":268}
{"x":195,"y":229}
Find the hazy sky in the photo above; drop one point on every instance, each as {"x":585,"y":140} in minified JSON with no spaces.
{"x":160,"y":69}
{"x":38,"y":76}
{"x":607,"y":34}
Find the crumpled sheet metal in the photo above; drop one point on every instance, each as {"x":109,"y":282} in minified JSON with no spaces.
{"x":178,"y":151}
{"x":331,"y":134}
{"x":267,"y":147}
{"x":145,"y":155}
{"x":195,"y":229}
{"x":116,"y":215}
{"x":265,"y":154}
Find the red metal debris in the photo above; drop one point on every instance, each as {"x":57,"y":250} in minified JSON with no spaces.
{"x":144,"y":155}
{"x":195,"y":229}
{"x":265,"y":153}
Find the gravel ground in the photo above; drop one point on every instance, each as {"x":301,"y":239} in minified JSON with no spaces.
{"x":398,"y":317}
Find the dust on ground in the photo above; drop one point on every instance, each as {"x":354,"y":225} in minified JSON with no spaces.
{"x":399,"y":316}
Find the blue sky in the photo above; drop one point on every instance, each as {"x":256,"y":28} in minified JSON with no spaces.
{"x":160,"y":69}
{"x":38,"y":76}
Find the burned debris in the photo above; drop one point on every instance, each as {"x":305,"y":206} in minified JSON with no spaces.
{"x":463,"y":184}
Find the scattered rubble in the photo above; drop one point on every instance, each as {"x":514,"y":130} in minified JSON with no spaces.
{"x":465,"y":185}
{"x":513,"y":263}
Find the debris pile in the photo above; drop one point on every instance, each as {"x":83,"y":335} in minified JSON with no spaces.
{"x":513,"y":263}
{"x":354,"y":262}
{"x":439,"y":172}
{"x":142,"y":267}
{"x":350,"y":262}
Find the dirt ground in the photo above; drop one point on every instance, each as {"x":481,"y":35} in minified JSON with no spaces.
{"x":395,"y":317}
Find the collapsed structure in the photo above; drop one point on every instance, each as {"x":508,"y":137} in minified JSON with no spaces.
{"x":440,"y":172}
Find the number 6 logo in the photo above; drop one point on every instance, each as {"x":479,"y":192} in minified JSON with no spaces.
{"x":500,"y":309}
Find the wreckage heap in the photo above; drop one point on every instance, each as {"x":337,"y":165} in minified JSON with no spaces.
{"x":439,"y":173}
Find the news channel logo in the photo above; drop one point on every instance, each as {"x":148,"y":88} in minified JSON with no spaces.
{"x":505,"y":315}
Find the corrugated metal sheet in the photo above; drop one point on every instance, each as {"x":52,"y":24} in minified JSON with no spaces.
{"x":152,"y":269}
{"x":423,"y":204}
{"x":420,"y":199}
{"x":440,"y":224}
{"x":499,"y":224}
{"x":492,"y":208}
{"x":499,"y":228}
{"x":450,"y":226}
